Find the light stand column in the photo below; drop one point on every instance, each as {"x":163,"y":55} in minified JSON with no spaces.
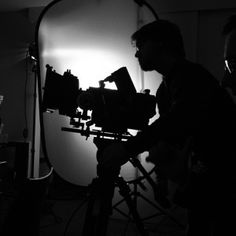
{"x":33,"y":145}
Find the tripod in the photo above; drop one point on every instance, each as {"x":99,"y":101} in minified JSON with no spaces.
{"x":163,"y":202}
{"x":101,"y":194}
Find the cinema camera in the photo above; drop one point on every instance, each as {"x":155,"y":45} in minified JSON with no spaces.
{"x":113,"y":111}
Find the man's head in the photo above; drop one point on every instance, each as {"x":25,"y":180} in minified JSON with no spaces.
{"x":157,"y":43}
{"x":229,"y":31}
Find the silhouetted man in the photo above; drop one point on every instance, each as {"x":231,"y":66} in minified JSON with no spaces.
{"x":195,"y":130}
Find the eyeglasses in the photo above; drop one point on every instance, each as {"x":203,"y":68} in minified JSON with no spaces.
{"x":230,"y":65}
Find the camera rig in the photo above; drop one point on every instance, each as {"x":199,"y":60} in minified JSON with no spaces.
{"x":112,"y":111}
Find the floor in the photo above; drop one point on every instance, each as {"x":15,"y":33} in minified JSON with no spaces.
{"x":67,"y":218}
{"x":64,"y":215}
{"x":62,"y":208}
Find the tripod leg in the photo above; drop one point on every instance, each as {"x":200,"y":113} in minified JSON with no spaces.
{"x":99,"y":207}
{"x":125,"y":192}
{"x":90,"y":219}
{"x":96,"y":222}
{"x":100,"y":202}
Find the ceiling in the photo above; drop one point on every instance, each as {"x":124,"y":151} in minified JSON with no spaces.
{"x":15,"y":5}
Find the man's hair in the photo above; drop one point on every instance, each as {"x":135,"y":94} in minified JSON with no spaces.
{"x":230,"y":25}
{"x":162,"y":31}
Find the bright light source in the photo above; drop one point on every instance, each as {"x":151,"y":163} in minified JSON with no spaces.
{"x":92,"y":39}
{"x":90,"y":65}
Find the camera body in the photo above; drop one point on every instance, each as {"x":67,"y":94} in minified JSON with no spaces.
{"x":111,"y":110}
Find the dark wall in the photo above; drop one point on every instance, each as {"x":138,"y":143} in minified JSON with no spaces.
{"x":16,"y":83}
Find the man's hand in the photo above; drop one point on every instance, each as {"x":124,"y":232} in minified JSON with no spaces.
{"x":161,"y":153}
{"x":115,"y":155}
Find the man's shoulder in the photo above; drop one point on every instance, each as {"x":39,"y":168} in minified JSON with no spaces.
{"x":193,"y":68}
{"x":193,"y":74}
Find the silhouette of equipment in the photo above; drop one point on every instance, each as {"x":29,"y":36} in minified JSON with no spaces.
{"x":101,"y":191}
{"x":100,"y":199}
{"x":112,"y":112}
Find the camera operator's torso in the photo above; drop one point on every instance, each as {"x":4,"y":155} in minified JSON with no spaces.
{"x":192,"y":104}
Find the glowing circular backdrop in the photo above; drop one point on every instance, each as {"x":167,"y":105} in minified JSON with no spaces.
{"x":92,"y":39}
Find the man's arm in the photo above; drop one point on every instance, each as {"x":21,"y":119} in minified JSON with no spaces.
{"x":188,"y":111}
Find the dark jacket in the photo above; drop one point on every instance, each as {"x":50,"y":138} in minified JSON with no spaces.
{"x":191,"y":103}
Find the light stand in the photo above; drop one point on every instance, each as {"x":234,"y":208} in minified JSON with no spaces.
{"x":34,"y":49}
{"x":33,"y":58}
{"x":34,"y":123}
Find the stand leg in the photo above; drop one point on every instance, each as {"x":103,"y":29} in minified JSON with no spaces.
{"x":99,"y":208}
{"x":125,"y":192}
{"x":158,"y":189}
{"x":89,"y":228}
{"x":100,"y":202}
{"x":164,"y":202}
